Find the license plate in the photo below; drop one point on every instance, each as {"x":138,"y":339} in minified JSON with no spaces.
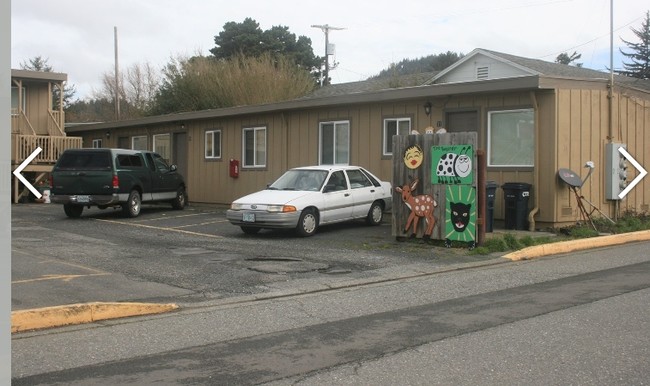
{"x":248,"y":217}
{"x":83,"y":198}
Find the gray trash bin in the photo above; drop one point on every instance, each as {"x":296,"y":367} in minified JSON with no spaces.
{"x":490,"y":198}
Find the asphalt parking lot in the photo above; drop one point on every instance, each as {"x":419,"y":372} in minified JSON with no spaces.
{"x":191,"y":255}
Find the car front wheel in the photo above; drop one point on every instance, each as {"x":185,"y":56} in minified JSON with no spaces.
{"x":132,"y":207}
{"x":308,"y":223}
{"x":375,"y":214}
{"x":180,"y":200}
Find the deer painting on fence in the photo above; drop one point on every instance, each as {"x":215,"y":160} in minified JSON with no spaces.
{"x":420,"y":206}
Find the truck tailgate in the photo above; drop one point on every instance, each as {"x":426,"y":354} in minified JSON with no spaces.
{"x":82,"y":182}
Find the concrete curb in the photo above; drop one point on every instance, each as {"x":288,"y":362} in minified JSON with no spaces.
{"x":577,"y":245}
{"x":58,"y":316}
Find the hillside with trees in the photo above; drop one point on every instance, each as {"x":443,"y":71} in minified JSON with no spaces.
{"x":249,"y":65}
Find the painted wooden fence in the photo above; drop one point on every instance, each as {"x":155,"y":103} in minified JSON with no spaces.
{"x":435,"y":186}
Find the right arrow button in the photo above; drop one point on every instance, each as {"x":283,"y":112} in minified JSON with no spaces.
{"x":639,"y":177}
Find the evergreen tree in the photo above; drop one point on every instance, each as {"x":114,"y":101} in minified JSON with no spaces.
{"x":248,"y":39}
{"x":567,"y":59}
{"x":639,"y":64}
{"x":424,"y":64}
{"x":38,"y":63}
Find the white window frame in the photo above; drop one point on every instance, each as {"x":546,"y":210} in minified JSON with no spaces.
{"x":388,"y":139}
{"x":216,"y":150}
{"x":336,"y":124}
{"x":133,"y":139}
{"x":97,"y":143}
{"x":257,"y":151}
{"x":521,"y":134}
{"x":165,"y":153}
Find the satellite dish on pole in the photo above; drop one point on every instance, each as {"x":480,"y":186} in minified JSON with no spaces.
{"x":573,"y":180}
{"x":570,"y":178}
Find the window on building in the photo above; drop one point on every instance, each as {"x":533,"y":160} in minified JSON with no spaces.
{"x":335,"y":143}
{"x":139,"y":142}
{"x":458,"y":121}
{"x":162,"y":145}
{"x":97,"y":143}
{"x":213,"y":144}
{"x":511,"y":137}
{"x":15,"y":100}
{"x":394,"y":126}
{"x":254,"y":147}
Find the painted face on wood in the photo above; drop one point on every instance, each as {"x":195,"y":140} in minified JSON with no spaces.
{"x":413,"y":157}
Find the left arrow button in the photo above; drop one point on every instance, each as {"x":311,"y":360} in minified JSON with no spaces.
{"x":20,"y":169}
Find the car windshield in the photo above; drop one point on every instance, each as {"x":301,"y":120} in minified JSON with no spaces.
{"x":300,"y":179}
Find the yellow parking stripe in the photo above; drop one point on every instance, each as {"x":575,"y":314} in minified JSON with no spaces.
{"x":57,"y":277}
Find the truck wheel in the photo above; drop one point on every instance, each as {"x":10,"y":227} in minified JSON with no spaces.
{"x":132,"y":207}
{"x":73,"y":211}
{"x":180,"y":200}
{"x":308,"y":223}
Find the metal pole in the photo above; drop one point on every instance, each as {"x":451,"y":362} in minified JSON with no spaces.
{"x":117,"y":80}
{"x":326,"y":79}
{"x":611,"y":70}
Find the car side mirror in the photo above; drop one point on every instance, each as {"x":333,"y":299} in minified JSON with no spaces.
{"x":173,"y":168}
{"x":329,"y":188}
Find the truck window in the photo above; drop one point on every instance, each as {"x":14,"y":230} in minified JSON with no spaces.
{"x":129,"y":161}
{"x":160,"y":163}
{"x":85,"y":161}
{"x":152,"y":165}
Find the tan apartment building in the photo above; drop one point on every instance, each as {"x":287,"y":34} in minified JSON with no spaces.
{"x":532,"y":118}
{"x":37,"y":120}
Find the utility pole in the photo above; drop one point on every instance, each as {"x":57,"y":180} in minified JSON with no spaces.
{"x":117,"y":81}
{"x":326,"y":29}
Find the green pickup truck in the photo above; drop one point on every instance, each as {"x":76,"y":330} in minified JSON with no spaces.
{"x":114,"y":178}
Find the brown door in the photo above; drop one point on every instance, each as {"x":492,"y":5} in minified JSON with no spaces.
{"x":179,"y":153}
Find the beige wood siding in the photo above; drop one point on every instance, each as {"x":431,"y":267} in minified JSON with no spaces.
{"x":37,"y":105}
{"x":583,"y":131}
{"x":573,"y":128}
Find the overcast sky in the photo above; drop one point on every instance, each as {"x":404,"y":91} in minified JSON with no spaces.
{"x":77,"y":36}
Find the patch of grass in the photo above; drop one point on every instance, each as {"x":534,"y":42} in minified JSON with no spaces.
{"x":512,"y":242}
{"x":629,"y":222}
{"x":496,"y":244}
{"x":582,"y":232}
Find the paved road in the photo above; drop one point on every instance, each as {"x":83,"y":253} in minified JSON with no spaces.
{"x":190,"y":256}
{"x":621,"y":356}
{"x":417,"y":318}
{"x":578,"y":319}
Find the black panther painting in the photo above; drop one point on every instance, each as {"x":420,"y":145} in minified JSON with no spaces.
{"x":460,"y":215}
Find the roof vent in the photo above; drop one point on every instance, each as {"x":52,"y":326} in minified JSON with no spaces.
{"x":482,"y":72}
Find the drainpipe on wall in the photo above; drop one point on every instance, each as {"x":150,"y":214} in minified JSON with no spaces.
{"x":533,"y":212}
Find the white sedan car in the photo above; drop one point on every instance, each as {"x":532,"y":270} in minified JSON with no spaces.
{"x":306,"y":197}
